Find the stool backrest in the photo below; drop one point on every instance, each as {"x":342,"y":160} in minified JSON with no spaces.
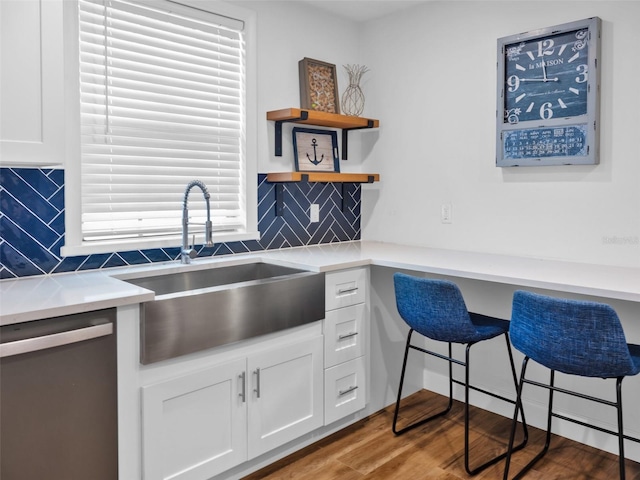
{"x":570,"y":336}
{"x":434,"y":308}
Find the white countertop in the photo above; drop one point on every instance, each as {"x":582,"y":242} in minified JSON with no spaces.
{"x":34,"y":298}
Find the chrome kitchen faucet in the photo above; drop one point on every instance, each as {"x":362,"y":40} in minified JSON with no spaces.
{"x":186,"y":254}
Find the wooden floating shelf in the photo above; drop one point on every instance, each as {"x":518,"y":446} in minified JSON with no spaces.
{"x":345,"y":179}
{"x":323,"y":177}
{"x":321,"y":119}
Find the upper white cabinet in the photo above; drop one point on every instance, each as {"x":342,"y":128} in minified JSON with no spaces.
{"x":31,"y":83}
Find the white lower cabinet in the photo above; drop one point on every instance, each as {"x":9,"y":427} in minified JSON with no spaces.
{"x":194,"y":426}
{"x":198,"y":423}
{"x":286,"y":400}
{"x":344,"y":389}
{"x":345,"y":343}
{"x":203,"y":423}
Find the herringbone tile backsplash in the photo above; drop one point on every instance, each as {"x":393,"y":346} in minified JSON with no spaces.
{"x":32,"y":224}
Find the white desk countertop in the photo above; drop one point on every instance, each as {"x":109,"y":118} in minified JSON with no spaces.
{"x":34,"y":298}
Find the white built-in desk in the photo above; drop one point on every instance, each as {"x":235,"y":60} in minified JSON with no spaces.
{"x":40,"y":297}
{"x":581,"y":278}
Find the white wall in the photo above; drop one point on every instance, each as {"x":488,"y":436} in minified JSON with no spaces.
{"x":288,"y":31}
{"x":433,"y":86}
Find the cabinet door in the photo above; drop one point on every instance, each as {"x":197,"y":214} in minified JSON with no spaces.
{"x":194,"y":426}
{"x":31,"y":83}
{"x":286,"y":397}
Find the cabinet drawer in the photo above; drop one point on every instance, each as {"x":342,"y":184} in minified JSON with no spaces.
{"x":344,"y":288}
{"x":344,"y":389}
{"x":345,"y":335}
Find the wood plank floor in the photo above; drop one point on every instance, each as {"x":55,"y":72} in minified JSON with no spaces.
{"x":369,"y":450}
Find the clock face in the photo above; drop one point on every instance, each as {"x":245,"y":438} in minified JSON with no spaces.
{"x":546,"y":77}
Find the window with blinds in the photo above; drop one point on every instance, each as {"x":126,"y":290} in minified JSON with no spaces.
{"x":162,"y":89}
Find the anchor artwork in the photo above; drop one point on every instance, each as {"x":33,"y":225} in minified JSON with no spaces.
{"x":315,"y":150}
{"x":315,"y":160}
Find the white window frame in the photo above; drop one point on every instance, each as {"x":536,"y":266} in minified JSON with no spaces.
{"x":74,"y":244}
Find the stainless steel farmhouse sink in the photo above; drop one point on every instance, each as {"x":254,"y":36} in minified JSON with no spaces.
{"x":200,"y":309}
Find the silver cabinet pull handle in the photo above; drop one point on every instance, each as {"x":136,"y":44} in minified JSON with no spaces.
{"x":348,"y":390}
{"x":342,"y":291}
{"x":54,"y":340}
{"x":347,"y":335}
{"x":256,"y":372}
{"x":243,"y":392}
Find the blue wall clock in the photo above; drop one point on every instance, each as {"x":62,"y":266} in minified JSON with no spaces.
{"x":548,"y":96}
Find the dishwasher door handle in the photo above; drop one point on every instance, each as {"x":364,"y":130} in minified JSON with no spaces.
{"x":54,"y":340}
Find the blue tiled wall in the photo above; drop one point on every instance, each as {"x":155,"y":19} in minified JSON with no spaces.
{"x":32,"y":224}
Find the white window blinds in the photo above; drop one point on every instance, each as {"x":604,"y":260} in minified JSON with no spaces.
{"x":162,"y":103}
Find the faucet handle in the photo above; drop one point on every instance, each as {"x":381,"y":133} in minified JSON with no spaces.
{"x":192,"y":251}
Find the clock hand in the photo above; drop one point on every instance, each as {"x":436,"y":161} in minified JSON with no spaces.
{"x":544,"y":71}
{"x":539,"y":79}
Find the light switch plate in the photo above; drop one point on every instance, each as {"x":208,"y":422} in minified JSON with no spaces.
{"x":446,"y":213}
{"x":314,"y":213}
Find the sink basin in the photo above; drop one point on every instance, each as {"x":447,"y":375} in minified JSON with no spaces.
{"x":212,"y":277}
{"x":201,"y":309}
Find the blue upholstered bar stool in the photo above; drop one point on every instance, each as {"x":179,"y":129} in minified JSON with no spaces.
{"x":436,"y":310}
{"x":573,"y":337}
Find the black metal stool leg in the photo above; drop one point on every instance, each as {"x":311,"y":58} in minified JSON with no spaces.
{"x":620,"y":427}
{"x":525,"y":429}
{"x":547,"y":442}
{"x":511,"y":448}
{"x":514,"y":422}
{"x":397,"y":409}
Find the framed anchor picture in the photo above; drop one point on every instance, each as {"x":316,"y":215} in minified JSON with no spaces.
{"x":315,"y":150}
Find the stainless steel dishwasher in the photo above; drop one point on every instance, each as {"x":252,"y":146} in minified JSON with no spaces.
{"x":58,"y":398}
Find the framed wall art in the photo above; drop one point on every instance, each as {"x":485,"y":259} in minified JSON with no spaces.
{"x":315,"y":150}
{"x":548,"y":96}
{"x":318,"y":86}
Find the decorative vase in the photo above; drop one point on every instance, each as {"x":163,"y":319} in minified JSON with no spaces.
{"x":353,"y":98}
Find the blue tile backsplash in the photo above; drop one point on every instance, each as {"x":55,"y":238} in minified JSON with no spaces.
{"x":32,"y":224}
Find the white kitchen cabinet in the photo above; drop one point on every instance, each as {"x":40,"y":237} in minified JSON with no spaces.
{"x":194,"y":425}
{"x":286,"y":397}
{"x":31,"y":83}
{"x":346,"y":337}
{"x":203,"y":423}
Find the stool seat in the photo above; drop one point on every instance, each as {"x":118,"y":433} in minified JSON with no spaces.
{"x":486,"y":327}
{"x":574,"y":337}
{"x":436,"y":310}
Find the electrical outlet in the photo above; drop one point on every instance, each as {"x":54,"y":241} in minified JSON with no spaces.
{"x":446,"y":213}
{"x":314,"y":213}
